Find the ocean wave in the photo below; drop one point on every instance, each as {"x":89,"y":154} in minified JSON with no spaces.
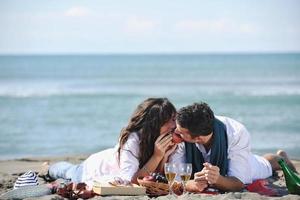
{"x":273,"y":92}
{"x":23,"y":92}
{"x":28,"y":93}
{"x":163,"y":90}
{"x":51,"y":88}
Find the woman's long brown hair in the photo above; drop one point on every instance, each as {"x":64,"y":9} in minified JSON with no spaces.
{"x":146,"y":121}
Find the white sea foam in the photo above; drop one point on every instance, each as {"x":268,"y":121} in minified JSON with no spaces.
{"x":269,"y":92}
{"x":47,"y":90}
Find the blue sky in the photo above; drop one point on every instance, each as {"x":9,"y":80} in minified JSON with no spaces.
{"x":156,"y":26}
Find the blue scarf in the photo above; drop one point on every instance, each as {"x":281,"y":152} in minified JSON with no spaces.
{"x":218,"y":154}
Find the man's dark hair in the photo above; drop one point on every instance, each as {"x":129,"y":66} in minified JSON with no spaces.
{"x":197,"y":118}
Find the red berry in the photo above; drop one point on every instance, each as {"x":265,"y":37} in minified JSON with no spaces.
{"x":176,"y":138}
{"x":149,"y":178}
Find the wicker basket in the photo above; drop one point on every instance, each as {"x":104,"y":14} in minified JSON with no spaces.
{"x":158,"y":189}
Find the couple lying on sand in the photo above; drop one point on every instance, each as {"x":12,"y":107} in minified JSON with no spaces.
{"x":218,"y":148}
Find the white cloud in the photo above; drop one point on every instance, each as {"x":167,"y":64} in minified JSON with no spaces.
{"x":214,"y":26}
{"x":293,"y":30}
{"x":77,"y":12}
{"x":248,"y":28}
{"x":139,"y":25}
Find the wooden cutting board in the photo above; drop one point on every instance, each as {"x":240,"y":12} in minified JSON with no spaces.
{"x":108,"y":189}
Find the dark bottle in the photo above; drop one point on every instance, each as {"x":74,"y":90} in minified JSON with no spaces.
{"x":292,"y":179}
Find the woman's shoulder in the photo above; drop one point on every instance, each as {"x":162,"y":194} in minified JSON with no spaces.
{"x":132,"y":141}
{"x":131,"y":146}
{"x":133,"y":136}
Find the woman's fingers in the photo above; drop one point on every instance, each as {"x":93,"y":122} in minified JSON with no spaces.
{"x":164,"y":141}
{"x":159,"y":147}
{"x":171,"y":150}
{"x":159,"y":138}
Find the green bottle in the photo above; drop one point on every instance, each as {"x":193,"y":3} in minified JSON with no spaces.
{"x":292,"y":179}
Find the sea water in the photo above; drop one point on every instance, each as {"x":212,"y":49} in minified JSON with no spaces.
{"x":77,"y":104}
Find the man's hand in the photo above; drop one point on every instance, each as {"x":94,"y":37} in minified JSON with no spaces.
{"x":210,"y":173}
{"x":196,"y":186}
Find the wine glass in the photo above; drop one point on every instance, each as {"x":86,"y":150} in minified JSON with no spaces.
{"x":185,"y":171}
{"x":170,"y":172}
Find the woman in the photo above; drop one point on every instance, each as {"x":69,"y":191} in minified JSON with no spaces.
{"x":144,"y":146}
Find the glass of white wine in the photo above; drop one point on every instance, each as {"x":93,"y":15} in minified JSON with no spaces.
{"x":170,"y":173}
{"x":185,"y":171}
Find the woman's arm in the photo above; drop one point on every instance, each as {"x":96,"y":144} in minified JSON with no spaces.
{"x":156,"y":163}
{"x":165,"y":159}
{"x":147,"y":169}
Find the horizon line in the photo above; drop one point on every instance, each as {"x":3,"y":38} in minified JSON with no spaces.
{"x":149,"y":53}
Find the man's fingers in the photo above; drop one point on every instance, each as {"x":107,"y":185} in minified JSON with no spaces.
{"x":206,"y":164}
{"x":203,"y":182}
{"x":207,"y":175}
{"x":209,"y":166}
{"x":212,"y":173}
{"x":201,"y":173}
{"x":211,"y":178}
{"x":201,"y":186}
{"x":200,"y":178}
{"x":193,"y":186}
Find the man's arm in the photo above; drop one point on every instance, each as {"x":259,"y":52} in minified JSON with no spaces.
{"x":196,"y":186}
{"x":212,"y":175}
{"x":228,"y":183}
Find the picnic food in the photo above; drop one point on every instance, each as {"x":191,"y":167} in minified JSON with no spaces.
{"x":149,"y":178}
{"x":156,"y":188}
{"x":156,"y":177}
{"x":160,"y":178}
{"x":176,"y":138}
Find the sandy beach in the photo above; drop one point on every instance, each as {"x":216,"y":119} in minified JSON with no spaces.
{"x":11,"y":169}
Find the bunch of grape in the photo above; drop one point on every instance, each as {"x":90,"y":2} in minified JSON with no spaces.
{"x":159,"y":178}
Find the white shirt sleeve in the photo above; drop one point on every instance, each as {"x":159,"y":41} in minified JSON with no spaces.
{"x":178,"y":156}
{"x":99,"y":165}
{"x":239,"y":151}
{"x":129,"y":163}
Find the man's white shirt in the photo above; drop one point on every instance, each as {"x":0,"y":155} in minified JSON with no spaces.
{"x":242,"y":164}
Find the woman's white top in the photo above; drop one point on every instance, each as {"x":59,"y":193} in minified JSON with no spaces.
{"x":104,"y":165}
{"x":242,"y":163}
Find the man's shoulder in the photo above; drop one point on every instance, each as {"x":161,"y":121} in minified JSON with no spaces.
{"x":236,"y":131}
{"x":229,"y":121}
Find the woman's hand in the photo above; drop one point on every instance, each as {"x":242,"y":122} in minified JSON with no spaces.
{"x":162,"y":144}
{"x":170,"y":148}
{"x":170,"y":151}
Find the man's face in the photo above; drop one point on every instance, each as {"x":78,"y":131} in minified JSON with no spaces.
{"x":186,"y":135}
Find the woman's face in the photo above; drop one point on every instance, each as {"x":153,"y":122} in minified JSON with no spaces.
{"x":169,"y":126}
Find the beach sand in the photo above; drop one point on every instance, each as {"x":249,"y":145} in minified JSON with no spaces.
{"x":11,"y":169}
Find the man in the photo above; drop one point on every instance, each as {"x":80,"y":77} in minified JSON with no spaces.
{"x":219,"y":149}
